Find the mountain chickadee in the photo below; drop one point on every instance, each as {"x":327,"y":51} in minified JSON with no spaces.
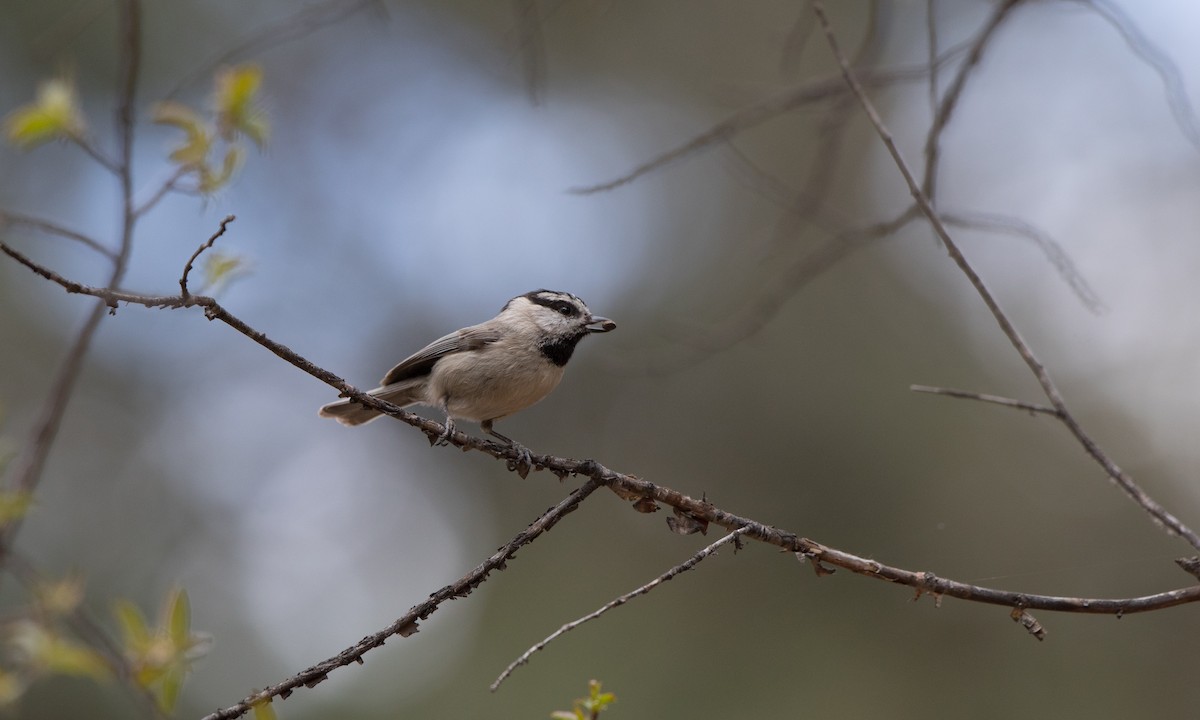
{"x":487,"y":371}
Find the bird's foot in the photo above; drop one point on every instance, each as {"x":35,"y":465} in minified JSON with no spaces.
{"x":524,"y":460}
{"x":444,"y":438}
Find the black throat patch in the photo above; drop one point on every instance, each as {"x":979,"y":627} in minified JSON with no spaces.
{"x":559,"y":350}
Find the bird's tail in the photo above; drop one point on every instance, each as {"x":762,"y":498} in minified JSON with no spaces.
{"x":351,"y":413}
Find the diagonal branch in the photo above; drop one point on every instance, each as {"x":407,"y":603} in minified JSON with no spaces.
{"x":52,"y":228}
{"x":644,"y":589}
{"x":983,"y":397}
{"x":1123,"y":480}
{"x":950,"y":101}
{"x":407,"y":624}
{"x":806,"y":94}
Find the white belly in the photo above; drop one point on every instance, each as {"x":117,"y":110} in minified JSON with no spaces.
{"x":482,"y":386}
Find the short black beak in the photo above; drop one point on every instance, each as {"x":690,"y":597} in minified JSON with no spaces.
{"x":604,"y":324}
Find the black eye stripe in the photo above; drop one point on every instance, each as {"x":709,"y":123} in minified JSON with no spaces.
{"x":554,"y":301}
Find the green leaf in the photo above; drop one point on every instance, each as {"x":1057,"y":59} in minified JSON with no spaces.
{"x":172,"y":683}
{"x":133,"y":626}
{"x":198,"y":136}
{"x":14,"y":504}
{"x":264,"y":710}
{"x":564,"y":715}
{"x":50,"y":652}
{"x":53,"y":114}
{"x":220,"y":268}
{"x":237,"y":104}
{"x":179,"y":620}
{"x":11,"y":688}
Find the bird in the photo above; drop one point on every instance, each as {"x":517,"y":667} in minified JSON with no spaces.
{"x":488,"y":371}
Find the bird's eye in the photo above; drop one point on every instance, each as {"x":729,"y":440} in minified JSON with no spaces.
{"x":567,"y":309}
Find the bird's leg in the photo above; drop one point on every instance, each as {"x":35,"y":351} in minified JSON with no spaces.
{"x":444,"y":438}
{"x":524,"y":457}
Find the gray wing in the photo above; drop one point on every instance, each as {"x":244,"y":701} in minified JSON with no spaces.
{"x":421,"y":362}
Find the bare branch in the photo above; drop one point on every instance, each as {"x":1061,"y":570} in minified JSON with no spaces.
{"x":303,"y":22}
{"x":644,"y":589}
{"x":183,"y":279}
{"x":796,"y":41}
{"x":1062,"y":263}
{"x":762,"y":306}
{"x":1173,"y":85}
{"x":29,"y":468}
{"x":171,"y":184}
{"x":932,"y":45}
{"x":806,"y":94}
{"x":982,"y":397}
{"x":950,"y":101}
{"x":407,"y":624}
{"x":532,"y":43}
{"x":1123,"y":480}
{"x":94,"y":153}
{"x":46,"y":226}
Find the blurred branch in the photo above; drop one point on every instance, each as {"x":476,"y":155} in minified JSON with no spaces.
{"x":982,"y":397}
{"x":407,"y":625}
{"x":532,"y":43}
{"x":644,"y":494}
{"x":1123,"y":480}
{"x":1173,"y":85}
{"x":32,"y":460}
{"x":46,"y":226}
{"x":170,"y":185}
{"x":1062,"y":263}
{"x":806,"y":94}
{"x":303,"y":22}
{"x":644,"y":589}
{"x":950,"y":101}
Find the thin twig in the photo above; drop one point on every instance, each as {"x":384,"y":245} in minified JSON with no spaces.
{"x":1059,"y":259}
{"x":806,"y":94}
{"x":644,"y":589}
{"x":532,"y":43}
{"x":93,"y":152}
{"x":161,"y":191}
{"x":954,"y":91}
{"x":1173,"y":85}
{"x":931,"y":30}
{"x":183,"y":279}
{"x":51,"y":228}
{"x":305,"y":21}
{"x":407,"y":624}
{"x":983,"y":397}
{"x":1123,"y":480}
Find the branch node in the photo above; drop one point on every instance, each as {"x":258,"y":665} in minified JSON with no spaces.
{"x":1029,"y":622}
{"x":815,"y":560}
{"x":1190,"y":565}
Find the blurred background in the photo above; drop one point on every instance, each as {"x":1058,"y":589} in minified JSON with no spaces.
{"x":418,"y":176}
